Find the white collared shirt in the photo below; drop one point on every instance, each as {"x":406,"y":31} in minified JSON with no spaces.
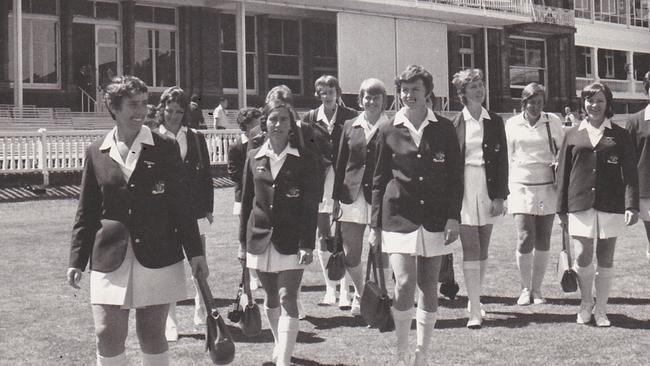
{"x":276,"y":160}
{"x":528,"y":148}
{"x":416,"y":134}
{"x":474,"y":137}
{"x":368,"y":130}
{"x":180,"y":137}
{"x":646,"y":116}
{"x":127,"y":165}
{"x":244,"y":138}
{"x":595,"y":134}
{"x":320,"y":116}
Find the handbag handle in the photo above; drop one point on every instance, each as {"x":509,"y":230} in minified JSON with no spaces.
{"x":247,"y":285}
{"x":206,"y":294}
{"x":370,"y":265}
{"x":551,"y":142}
{"x":375,"y":263}
{"x":566,"y":246}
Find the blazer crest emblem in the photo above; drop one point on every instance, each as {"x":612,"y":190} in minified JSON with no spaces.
{"x":159,"y":187}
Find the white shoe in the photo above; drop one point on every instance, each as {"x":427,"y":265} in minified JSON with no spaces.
{"x":355,"y":309}
{"x":171,"y":332}
{"x":329,"y":298}
{"x":255,"y":284}
{"x":601,"y":319}
{"x":524,"y":298}
{"x":420,"y":359}
{"x":538,"y":299}
{"x":483,"y":313}
{"x":474,"y":322}
{"x":301,"y":312}
{"x":344,"y":301}
{"x":199,"y":315}
{"x":584,"y":314}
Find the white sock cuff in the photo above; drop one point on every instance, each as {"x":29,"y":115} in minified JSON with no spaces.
{"x":426,"y":317}
{"x":472,"y":265}
{"x":402,"y":314}
{"x":159,"y":359}
{"x":119,"y":360}
{"x":523,"y":255}
{"x":604,"y":272}
{"x":587,"y":269}
{"x":287,"y":324}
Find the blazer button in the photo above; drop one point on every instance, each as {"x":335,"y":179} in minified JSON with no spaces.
{"x":368,"y":150}
{"x":365,"y":184}
{"x":484,"y":145}
{"x":593,"y":188}
{"x":421,"y":202}
{"x":273,"y":185}
{"x":593,"y":170}
{"x":421,"y":179}
{"x":132,"y":185}
{"x":137,"y":240}
{"x":271,"y":206}
{"x":489,"y":179}
{"x":130,"y":212}
{"x":419,"y":156}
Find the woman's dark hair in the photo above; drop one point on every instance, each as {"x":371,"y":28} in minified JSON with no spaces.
{"x":246,"y":115}
{"x":121,"y":87}
{"x":413,"y":73}
{"x":327,"y":81}
{"x":278,"y":98}
{"x":174,"y":94}
{"x":594,"y":88}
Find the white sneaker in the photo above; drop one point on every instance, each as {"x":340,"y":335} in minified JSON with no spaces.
{"x":329,"y":298}
{"x":524,"y":298}
{"x":171,"y":332}
{"x":255,"y":284}
{"x":199,"y":315}
{"x":483,"y":313}
{"x":538,"y":299}
{"x":355,"y":309}
{"x":301,"y":312}
{"x":584,"y":314}
{"x":601,"y":319}
{"x":344,"y":301}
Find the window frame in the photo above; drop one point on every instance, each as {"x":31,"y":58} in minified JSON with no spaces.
{"x":320,"y":69}
{"x":300,"y":56}
{"x":163,"y":27}
{"x":587,"y":54}
{"x":545,"y":68}
{"x":466,"y":51}
{"x":30,"y":54}
{"x":610,"y":64}
{"x":232,"y":91}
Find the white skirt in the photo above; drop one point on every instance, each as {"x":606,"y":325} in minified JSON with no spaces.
{"x":420,"y":242}
{"x":132,"y":285}
{"x":596,"y":224}
{"x":476,"y":201}
{"x":273,"y":261}
{"x":537,"y":200}
{"x":644,"y":209}
{"x":358,"y":211}
{"x":327,"y":204}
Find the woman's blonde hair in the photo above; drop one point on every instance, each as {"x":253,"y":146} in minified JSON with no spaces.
{"x":463,"y":78}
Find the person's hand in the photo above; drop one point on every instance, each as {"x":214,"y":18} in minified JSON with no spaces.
{"x":564,"y":219}
{"x":241,"y":253}
{"x":336,"y":210}
{"x":497,"y":207}
{"x":451,"y":231}
{"x":210,"y":217}
{"x":199,"y":267}
{"x":74,"y":277}
{"x":375,"y":237}
{"x":631,"y":217}
{"x":305,"y":256}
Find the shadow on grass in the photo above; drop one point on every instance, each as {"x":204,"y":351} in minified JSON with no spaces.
{"x":336,"y":322}
{"x":305,"y":362}
{"x":220,"y":303}
{"x":264,"y":337}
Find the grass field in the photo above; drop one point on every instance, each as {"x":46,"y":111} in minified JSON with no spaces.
{"x":43,"y":321}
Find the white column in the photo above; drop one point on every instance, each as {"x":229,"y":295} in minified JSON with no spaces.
{"x":18,"y":53}
{"x":630,"y":71}
{"x":594,"y":63}
{"x":240,"y":25}
{"x":486,"y":72}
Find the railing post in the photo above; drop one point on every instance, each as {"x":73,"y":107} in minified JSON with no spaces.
{"x":42,"y":156}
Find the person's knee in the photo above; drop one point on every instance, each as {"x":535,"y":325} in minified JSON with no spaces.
{"x":110,"y":339}
{"x":352,"y":258}
{"x":152,"y":338}
{"x":525,"y":239}
{"x":289,"y":301}
{"x":404,"y":284}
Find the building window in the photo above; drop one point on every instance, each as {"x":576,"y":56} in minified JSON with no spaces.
{"x":41,"y":67}
{"x":97,"y":9}
{"x":639,"y":13}
{"x":284,"y":57}
{"x":325,"y":54}
{"x":466,"y":51}
{"x":641,"y":65}
{"x":609,"y":64}
{"x":229,"y":54}
{"x":583,"y":8}
{"x":156,"y":50}
{"x":527,"y":63}
{"x":583,"y":62}
{"x":612,"y":11}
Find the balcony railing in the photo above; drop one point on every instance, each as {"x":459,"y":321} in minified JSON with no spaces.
{"x":629,"y":87}
{"x":551,"y":15}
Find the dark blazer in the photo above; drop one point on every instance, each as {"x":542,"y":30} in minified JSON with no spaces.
{"x":495,"y":153}
{"x":199,"y":174}
{"x":322,"y":141}
{"x":153,"y":208}
{"x":281,"y":211}
{"x":604,"y":177}
{"x":196,"y":117}
{"x":639,"y":129}
{"x":355,"y":165}
{"x":236,"y":159}
{"x":417,"y":186}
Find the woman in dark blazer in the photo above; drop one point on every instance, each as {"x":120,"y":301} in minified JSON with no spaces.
{"x":639,"y":128}
{"x":416,"y":200}
{"x":278,"y":221}
{"x":133,"y":223}
{"x":322,"y":129}
{"x":482,"y":139}
{"x":173,"y":117}
{"x":352,"y":192}
{"x":598,"y":195}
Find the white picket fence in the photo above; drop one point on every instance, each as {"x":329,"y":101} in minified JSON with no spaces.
{"x":62,"y":151}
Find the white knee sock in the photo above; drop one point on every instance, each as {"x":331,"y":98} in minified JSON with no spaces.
{"x":426,"y":321}
{"x":483,"y":270}
{"x":272,"y":316}
{"x":540,"y":262}
{"x":324,"y":256}
{"x":287,"y":334}
{"x":603,"y":285}
{"x":525,"y":265}
{"x":586,"y":281}
{"x":160,"y":359}
{"x":472,"y":274}
{"x":119,"y":360}
{"x":402,"y":320}
{"x":345,"y":286}
{"x":356,"y":275}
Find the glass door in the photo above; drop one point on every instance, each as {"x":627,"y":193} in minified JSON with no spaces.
{"x":107,"y":59}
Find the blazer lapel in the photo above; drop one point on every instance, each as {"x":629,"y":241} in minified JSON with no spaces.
{"x":263,"y":169}
{"x":359,"y":134}
{"x":145,"y":162}
{"x":192,"y":148}
{"x":460,"y":133}
{"x":287,"y":170}
{"x":112,"y":168}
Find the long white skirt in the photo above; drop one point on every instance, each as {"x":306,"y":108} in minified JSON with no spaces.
{"x":537,"y":200}
{"x":327,"y":204}
{"x":420,"y":242}
{"x":132,"y":285}
{"x":273,"y":261}
{"x":358,"y":211}
{"x":476,"y":201}
{"x":592,"y":223}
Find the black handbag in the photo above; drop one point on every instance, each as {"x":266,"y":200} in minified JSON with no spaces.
{"x":251,"y":320}
{"x":218,"y":340}
{"x":566,"y":275}
{"x":375,"y":303}
{"x":336,"y":264}
{"x":447,"y":269}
